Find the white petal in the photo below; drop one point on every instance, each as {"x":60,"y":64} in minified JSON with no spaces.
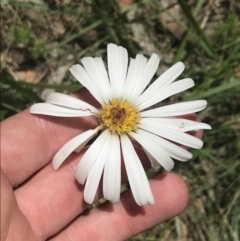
{"x":172,"y":149}
{"x":89,"y":158}
{"x":170,"y":90}
{"x":158,"y":153}
{"x":81,"y":75}
{"x":138,"y":67}
{"x":69,"y":101}
{"x":173,"y":135}
{"x":112,"y":171}
{"x":104,"y":74}
{"x":180,"y":124}
{"x":176,"y":109}
{"x":128,"y":78}
{"x":146,"y":76}
{"x":122,"y":69}
{"x":77,"y":142}
{"x":55,"y":110}
{"x":117,"y":67}
{"x":136,"y":175}
{"x":112,"y":60}
{"x":101,"y":84}
{"x":154,"y":162}
{"x":161,"y":82}
{"x":95,"y":173}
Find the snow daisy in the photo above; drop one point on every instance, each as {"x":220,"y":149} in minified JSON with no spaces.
{"x":125,"y":115}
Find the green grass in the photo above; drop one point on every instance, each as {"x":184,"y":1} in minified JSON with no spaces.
{"x":212,"y":58}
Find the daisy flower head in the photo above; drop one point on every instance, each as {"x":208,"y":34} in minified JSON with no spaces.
{"x":125,"y":97}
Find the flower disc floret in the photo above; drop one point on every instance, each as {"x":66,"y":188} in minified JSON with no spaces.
{"x":119,"y":116}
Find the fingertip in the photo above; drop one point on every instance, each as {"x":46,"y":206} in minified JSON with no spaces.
{"x":126,"y":218}
{"x":171,"y":194}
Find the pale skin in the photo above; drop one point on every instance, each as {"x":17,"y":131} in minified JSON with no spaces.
{"x":48,"y":204}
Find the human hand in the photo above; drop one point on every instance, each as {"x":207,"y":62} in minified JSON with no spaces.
{"x":49,"y":204}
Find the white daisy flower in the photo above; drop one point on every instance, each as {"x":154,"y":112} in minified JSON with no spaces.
{"x":125,"y":116}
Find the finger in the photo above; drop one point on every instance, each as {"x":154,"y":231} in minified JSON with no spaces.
{"x":52,"y":199}
{"x":60,"y":194}
{"x":13,"y":222}
{"x":125,"y":219}
{"x":58,"y":197}
{"x":29,"y":141}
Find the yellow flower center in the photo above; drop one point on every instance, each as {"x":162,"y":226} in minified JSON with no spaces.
{"x":120,"y":116}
